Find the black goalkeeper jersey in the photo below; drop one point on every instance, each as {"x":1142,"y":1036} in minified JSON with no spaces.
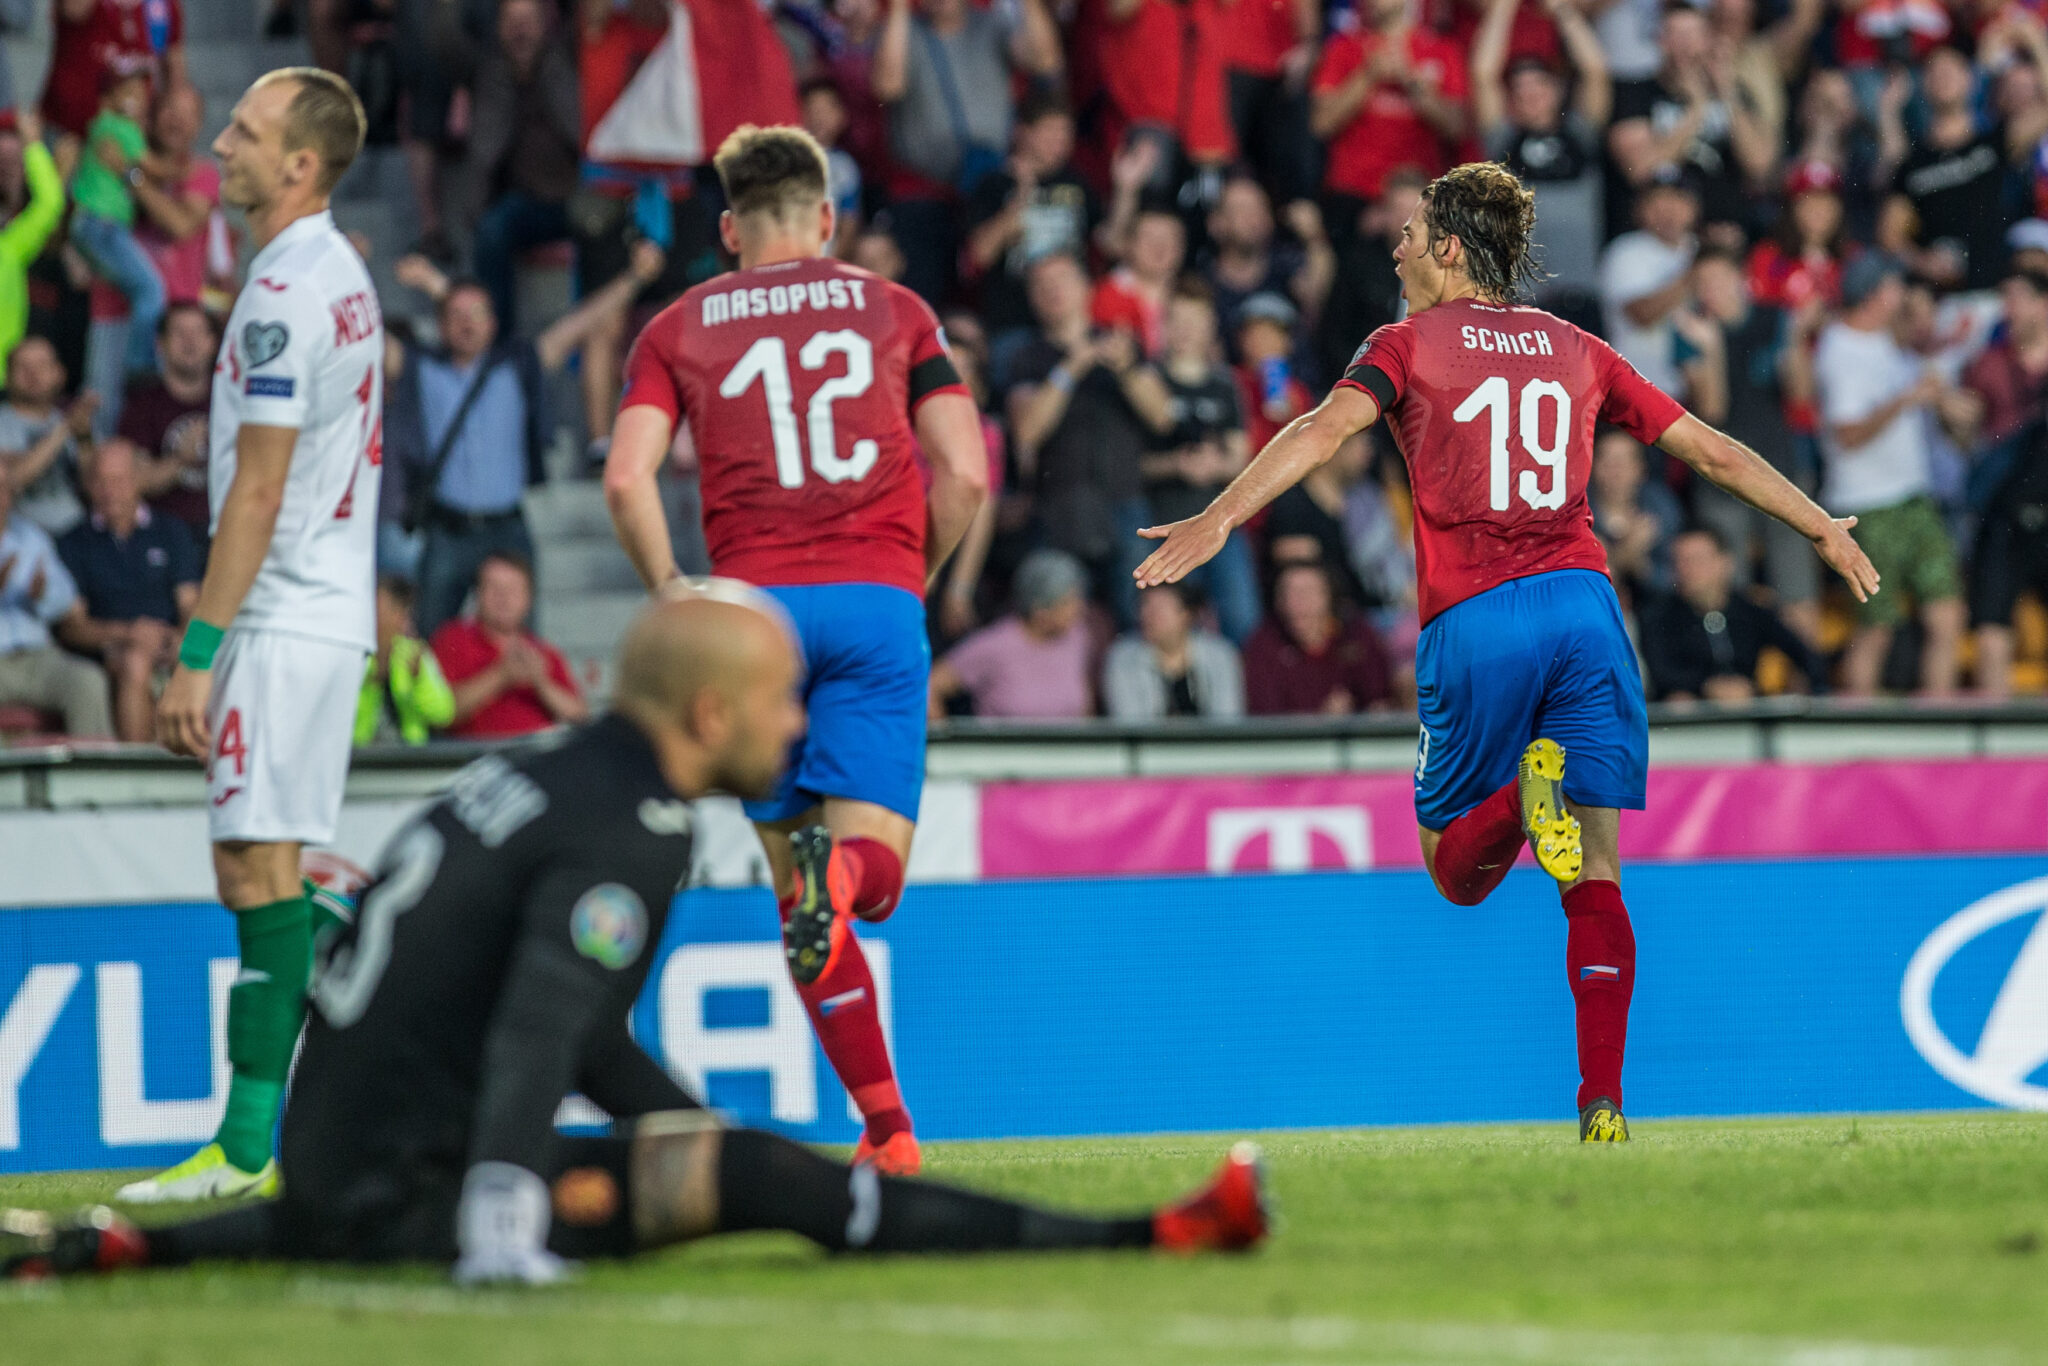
{"x":488,"y":974}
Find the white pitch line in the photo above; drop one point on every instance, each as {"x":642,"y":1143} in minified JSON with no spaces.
{"x":1327,"y":1338}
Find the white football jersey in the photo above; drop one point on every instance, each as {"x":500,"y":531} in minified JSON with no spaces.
{"x":305,"y":349}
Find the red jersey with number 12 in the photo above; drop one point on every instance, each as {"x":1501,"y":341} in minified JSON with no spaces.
{"x":799,"y":381}
{"x":1493,"y":407}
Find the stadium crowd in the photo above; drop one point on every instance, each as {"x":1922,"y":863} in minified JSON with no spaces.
{"x":1155,"y":230}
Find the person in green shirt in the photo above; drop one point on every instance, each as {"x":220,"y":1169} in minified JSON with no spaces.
{"x":23,"y":236}
{"x":405,"y":695}
{"x":103,"y":226}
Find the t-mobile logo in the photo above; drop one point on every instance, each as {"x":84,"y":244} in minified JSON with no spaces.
{"x":1293,"y":836}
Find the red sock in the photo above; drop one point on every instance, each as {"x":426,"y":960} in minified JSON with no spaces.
{"x":843,"y":1013}
{"x":877,"y":877}
{"x":1477,"y":849}
{"x":1600,"y":958}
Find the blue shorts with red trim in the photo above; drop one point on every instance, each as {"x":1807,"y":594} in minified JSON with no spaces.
{"x":1545,"y":655}
{"x":867,"y":672}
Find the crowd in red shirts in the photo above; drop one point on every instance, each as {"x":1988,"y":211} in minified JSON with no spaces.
{"x":1157,"y":229}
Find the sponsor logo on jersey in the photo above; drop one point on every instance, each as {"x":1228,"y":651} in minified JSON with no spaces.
{"x":270,"y":386}
{"x":272,"y":285}
{"x":759,"y":302}
{"x":1507,"y":343}
{"x":264,"y":342}
{"x":608,"y":925}
{"x":2013,"y":1044}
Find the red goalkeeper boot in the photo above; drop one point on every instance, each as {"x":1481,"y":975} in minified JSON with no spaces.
{"x":35,"y":1244}
{"x":1227,"y":1215}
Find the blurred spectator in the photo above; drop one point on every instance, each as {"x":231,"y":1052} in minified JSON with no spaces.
{"x":876,"y":250}
{"x":1643,"y":277}
{"x":1269,"y":51}
{"x":1832,"y":130}
{"x":1032,"y":664}
{"x":31,"y":206}
{"x":1272,"y":394}
{"x":1955,"y":175}
{"x":1702,"y":641}
{"x":437,"y":47}
{"x":1310,"y":657}
{"x":825,"y":119}
{"x":1873,"y":397}
{"x":95,"y":41}
{"x":1634,"y":516}
{"x":1523,"y":119}
{"x":103,"y":212}
{"x":1696,"y":119}
{"x":1337,"y":516}
{"x":1387,"y":93}
{"x":138,"y":578}
{"x":1132,"y":297}
{"x":166,"y":416}
{"x":507,"y":680}
{"x":405,"y":696}
{"x":1202,"y":451}
{"x":2009,"y":480}
{"x":523,"y":147}
{"x":1160,"y":63}
{"x":1627,"y":30}
{"x":43,"y":445}
{"x":958,"y":606}
{"x":945,"y":76}
{"x":37,"y":595}
{"x":470,"y":424}
{"x":1245,"y":258}
{"x":16,"y":16}
{"x":1035,"y":205}
{"x":180,"y":223}
{"x":1084,"y":409}
{"x":1367,"y":292}
{"x":1171,"y":667}
{"x":1733,"y":352}
{"x":641,"y":154}
{"x":1801,"y":262}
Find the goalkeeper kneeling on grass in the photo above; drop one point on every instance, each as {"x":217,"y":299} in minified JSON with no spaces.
{"x":487,"y":975}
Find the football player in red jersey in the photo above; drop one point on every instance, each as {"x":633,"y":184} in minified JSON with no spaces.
{"x":809,"y":387}
{"x":1523,"y":659}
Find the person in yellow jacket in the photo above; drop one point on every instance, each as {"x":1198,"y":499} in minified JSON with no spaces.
{"x":405,"y":696}
{"x":23,"y":236}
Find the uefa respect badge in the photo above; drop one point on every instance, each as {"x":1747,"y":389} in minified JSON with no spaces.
{"x":608,"y":925}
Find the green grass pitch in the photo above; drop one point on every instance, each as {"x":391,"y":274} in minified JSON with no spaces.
{"x":1810,"y":1242}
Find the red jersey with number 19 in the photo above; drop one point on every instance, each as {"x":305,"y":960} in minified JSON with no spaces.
{"x":799,"y":381}
{"x":1493,"y":407}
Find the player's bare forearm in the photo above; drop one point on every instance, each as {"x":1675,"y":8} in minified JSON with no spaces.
{"x":248,"y":518}
{"x":640,"y":442}
{"x":1737,"y":469}
{"x":949,"y":430}
{"x":1302,"y":445}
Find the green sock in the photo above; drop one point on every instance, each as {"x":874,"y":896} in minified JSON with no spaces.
{"x":331,"y":909}
{"x":264,"y":1014}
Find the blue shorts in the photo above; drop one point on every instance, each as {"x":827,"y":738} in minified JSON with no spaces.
{"x":867,"y":672}
{"x":1542,"y":656}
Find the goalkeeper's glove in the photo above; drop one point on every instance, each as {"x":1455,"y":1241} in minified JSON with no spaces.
{"x":501,"y":1229}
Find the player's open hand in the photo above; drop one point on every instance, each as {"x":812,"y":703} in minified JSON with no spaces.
{"x":1845,"y":557}
{"x":181,"y":713}
{"x":1190,"y":544}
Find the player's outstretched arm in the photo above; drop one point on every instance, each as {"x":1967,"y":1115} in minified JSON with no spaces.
{"x":1741,"y":471}
{"x":640,"y":443}
{"x":248,"y":517}
{"x":949,"y":430}
{"x":1302,"y":445}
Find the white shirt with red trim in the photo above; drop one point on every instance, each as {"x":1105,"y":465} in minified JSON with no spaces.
{"x":305,"y":349}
